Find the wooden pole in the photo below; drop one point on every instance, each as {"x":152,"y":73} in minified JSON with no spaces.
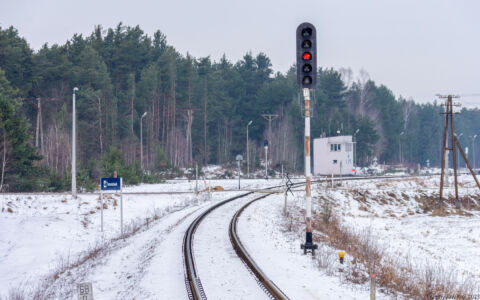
{"x":467,"y":162}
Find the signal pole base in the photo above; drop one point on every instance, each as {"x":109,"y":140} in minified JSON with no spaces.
{"x":309,"y":245}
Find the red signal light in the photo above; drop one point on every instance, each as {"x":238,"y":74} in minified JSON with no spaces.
{"x":307,"y":56}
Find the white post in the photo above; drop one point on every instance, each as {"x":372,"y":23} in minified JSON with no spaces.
{"x":266,"y":162}
{"x":141,"y":139}
{"x":196,"y":177}
{"x":74,"y":155}
{"x":285,"y":202}
{"x":121,"y":205}
{"x":101,"y":208}
{"x":248,"y":154}
{"x":238,"y":163}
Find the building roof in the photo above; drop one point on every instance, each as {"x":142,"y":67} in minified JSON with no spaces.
{"x":336,"y":139}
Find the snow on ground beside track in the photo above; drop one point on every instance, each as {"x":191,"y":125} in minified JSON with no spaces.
{"x":46,"y":229}
{"x":42,"y":228}
{"x":278,"y":254}
{"x":398,"y":214}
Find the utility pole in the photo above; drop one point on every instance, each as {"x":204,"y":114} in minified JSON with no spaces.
{"x":248,"y":154}
{"x":189,"y":117}
{"x":74,"y":155}
{"x":449,"y":121}
{"x":269,"y":118}
{"x":141,"y":139}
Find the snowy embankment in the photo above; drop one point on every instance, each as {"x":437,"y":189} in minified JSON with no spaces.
{"x":401,"y":219}
{"x":44,"y":232}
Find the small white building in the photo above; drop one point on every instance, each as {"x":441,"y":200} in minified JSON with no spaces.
{"x":333,"y":155}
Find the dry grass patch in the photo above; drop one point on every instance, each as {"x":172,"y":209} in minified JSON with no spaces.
{"x":397,"y":276}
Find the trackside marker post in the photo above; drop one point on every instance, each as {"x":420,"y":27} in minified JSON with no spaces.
{"x":373,"y":286}
{"x":85,"y":291}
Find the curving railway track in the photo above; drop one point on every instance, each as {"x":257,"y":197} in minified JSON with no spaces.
{"x":193,"y":283}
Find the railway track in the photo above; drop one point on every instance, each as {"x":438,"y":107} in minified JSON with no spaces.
{"x":267,"y":285}
{"x":192,"y":280}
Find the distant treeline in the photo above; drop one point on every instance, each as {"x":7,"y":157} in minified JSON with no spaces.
{"x":197,"y":111}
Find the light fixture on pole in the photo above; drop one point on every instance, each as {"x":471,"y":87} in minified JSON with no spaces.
{"x":141,"y":140}
{"x":248,"y":155}
{"x":74,"y":155}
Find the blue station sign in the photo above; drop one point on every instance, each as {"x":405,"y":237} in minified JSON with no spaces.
{"x":109,"y":183}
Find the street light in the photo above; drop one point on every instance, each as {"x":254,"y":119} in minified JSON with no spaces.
{"x":141,"y":140}
{"x":355,"y":148}
{"x":248,"y":155}
{"x":74,"y":155}
{"x":399,"y":147}
{"x":265,"y":145}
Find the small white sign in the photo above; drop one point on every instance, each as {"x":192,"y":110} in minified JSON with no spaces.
{"x":84,"y":291}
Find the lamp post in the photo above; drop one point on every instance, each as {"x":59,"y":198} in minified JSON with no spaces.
{"x":74,"y":152}
{"x":265,"y":145}
{"x":141,"y":140}
{"x":400,"y":147}
{"x":248,"y":155}
{"x":473,"y":150}
{"x":355,"y":148}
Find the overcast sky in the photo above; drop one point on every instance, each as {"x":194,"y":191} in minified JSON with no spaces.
{"x":417,"y":48}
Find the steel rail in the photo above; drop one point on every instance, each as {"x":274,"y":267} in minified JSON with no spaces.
{"x":268,"y":286}
{"x":192,"y":280}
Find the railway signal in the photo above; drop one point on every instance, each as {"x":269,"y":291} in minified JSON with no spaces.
{"x":306,"y":77}
{"x":306,"y":55}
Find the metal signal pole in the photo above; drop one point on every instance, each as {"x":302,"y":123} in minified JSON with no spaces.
{"x":309,"y":245}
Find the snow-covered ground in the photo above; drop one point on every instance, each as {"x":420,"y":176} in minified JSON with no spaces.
{"x":401,"y":216}
{"x":41,"y":233}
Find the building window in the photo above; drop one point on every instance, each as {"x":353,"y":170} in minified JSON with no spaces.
{"x":334,"y":161}
{"x":335,"y":147}
{"x":348,"y":148}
